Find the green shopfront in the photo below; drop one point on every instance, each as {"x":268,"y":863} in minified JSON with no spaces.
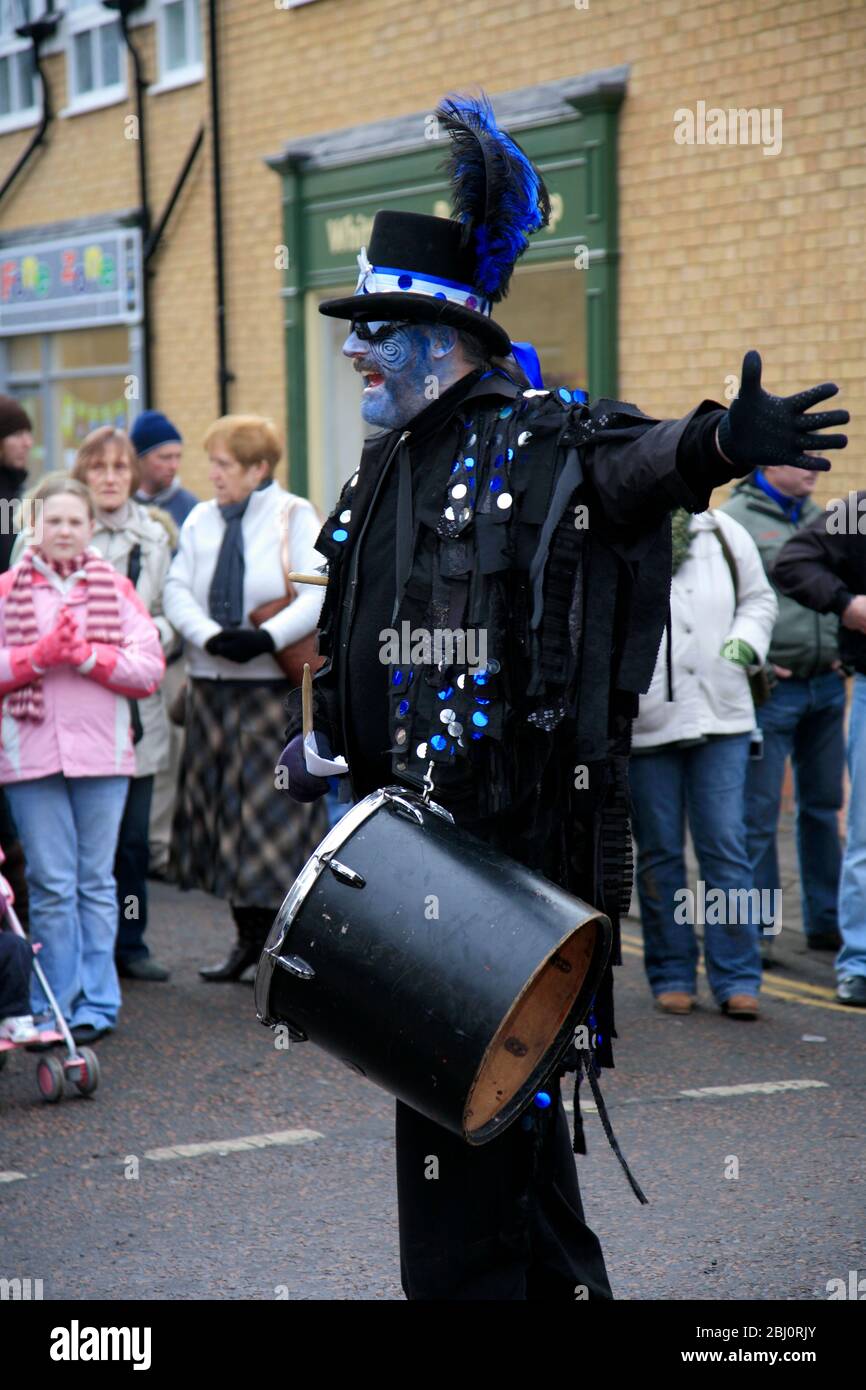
{"x":563,"y":294}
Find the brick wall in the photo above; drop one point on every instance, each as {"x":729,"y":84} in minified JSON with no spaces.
{"x":723,"y":248}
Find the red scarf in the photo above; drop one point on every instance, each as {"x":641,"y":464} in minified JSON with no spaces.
{"x":103,"y":617}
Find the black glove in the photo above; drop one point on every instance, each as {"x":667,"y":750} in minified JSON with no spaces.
{"x":301,"y":784}
{"x":240,"y":644}
{"x":763,"y":431}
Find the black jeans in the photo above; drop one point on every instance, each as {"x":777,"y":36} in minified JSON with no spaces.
{"x":130,"y":869}
{"x":500,"y":1221}
{"x":16,"y":963}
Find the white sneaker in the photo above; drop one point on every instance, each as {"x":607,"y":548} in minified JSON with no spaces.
{"x":19,"y":1029}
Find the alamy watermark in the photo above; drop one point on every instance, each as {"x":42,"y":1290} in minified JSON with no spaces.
{"x":729,"y":907}
{"x":21,"y":514}
{"x":438,"y":646}
{"x":735,"y":126}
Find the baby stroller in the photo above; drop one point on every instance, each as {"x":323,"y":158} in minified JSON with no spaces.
{"x":80,"y":1066}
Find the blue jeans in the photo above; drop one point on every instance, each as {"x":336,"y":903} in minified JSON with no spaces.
{"x":852,"y":887}
{"x":706,"y":783}
{"x":803,"y":720}
{"x":69,"y":827}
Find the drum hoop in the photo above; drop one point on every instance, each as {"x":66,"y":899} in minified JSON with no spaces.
{"x":311,"y":872}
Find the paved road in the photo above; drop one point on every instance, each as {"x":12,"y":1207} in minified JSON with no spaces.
{"x":310,"y":1212}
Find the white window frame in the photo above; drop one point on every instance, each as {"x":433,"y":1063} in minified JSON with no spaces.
{"x":89,"y":18}
{"x":171,"y":78}
{"x":10,"y":47}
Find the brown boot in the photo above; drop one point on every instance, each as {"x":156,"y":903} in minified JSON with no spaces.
{"x":741,"y":1006}
{"x":675,"y":1002}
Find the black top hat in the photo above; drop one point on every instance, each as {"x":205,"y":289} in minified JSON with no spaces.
{"x":420,"y":269}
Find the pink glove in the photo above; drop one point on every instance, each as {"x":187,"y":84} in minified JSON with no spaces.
{"x":52,"y":649}
{"x":76,"y":649}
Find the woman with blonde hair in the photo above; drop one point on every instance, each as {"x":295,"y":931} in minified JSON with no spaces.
{"x":137,"y":542}
{"x":76,"y":644}
{"x":235,"y":835}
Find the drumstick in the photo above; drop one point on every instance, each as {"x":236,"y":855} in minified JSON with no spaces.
{"x":307,"y":701}
{"x":308,"y":578}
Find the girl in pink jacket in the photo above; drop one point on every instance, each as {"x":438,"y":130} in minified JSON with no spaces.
{"x":76,"y":644}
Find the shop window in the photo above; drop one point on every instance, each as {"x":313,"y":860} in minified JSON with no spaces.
{"x":18,"y":99}
{"x":69,"y":383}
{"x":546,"y":306}
{"x":96,"y":62}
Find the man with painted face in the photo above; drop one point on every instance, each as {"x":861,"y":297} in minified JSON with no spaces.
{"x":486,"y":503}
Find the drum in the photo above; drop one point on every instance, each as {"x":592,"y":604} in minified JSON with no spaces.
{"x":431,"y":963}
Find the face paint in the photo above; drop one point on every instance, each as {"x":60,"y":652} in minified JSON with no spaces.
{"x":396,"y":363}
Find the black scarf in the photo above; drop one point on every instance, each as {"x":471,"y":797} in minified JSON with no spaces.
{"x":226,"y":594}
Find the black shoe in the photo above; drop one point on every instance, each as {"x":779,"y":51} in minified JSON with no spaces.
{"x":142,"y":968}
{"x":824,"y":941}
{"x":852,"y":990}
{"x":88,"y":1032}
{"x":242,"y":955}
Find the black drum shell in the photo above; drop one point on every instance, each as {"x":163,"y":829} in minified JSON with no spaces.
{"x":416,"y":970}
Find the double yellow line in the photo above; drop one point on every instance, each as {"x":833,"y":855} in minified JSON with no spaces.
{"x":794,"y":991}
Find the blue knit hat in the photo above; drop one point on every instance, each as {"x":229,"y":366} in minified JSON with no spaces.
{"x":150,"y":429}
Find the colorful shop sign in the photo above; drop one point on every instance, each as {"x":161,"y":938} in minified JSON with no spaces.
{"x":79,"y":282}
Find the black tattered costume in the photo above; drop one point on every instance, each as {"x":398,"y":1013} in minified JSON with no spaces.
{"x":573,"y":603}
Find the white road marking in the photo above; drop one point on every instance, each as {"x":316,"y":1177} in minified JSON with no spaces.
{"x":746,"y":1088}
{"x":763,"y":1088}
{"x":11,"y":1176}
{"x":243,"y":1144}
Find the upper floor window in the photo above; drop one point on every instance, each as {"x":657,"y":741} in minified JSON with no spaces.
{"x":179,"y":40}
{"x":97,"y":65}
{"x":18,"y":83}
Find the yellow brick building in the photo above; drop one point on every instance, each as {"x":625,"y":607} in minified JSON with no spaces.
{"x":697,"y":249}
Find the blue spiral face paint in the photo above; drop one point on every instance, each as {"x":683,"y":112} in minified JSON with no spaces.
{"x":397,"y":366}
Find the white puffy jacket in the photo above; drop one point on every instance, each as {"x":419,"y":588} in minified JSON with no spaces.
{"x":711,"y":694}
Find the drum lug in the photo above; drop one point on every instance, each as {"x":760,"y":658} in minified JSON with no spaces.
{"x":345,"y":874}
{"x":296,"y":966}
{"x":405,"y":808}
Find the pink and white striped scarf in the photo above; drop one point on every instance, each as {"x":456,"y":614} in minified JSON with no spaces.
{"x":103,"y":617}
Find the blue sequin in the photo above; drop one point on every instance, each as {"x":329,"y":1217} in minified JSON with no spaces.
{"x":510,"y":455}
{"x":397,"y":678}
{"x":542,"y":1100}
{"x":455,"y":465}
{"x":480,"y":678}
{"x":505,"y":412}
{"x":440,"y":295}
{"x":582,"y":397}
{"x":438,"y":741}
{"x":340,"y":534}
{"x":405,"y":282}
{"x":446,"y":694}
{"x":411,"y":677}
{"x":499,"y":460}
{"x":469,"y":463}
{"x":403,"y":708}
{"x":479,"y":701}
{"x":495,"y":484}
{"x":563,"y":394}
{"x":477,"y":735}
{"x":479,"y":719}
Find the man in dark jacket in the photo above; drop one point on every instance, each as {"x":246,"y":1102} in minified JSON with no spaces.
{"x":804,"y":717}
{"x":525,"y":516}
{"x":824,"y":568}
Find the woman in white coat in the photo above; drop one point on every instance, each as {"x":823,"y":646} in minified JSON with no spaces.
{"x":235,"y":835}
{"x":689,"y":756}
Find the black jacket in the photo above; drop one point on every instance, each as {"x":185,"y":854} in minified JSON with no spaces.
{"x":573,"y":607}
{"x":824,"y":567}
{"x":12,"y":482}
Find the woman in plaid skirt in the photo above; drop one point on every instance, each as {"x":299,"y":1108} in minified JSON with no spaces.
{"x":235,"y":835}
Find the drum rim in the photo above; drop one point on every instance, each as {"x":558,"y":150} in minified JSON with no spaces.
{"x":308,"y":877}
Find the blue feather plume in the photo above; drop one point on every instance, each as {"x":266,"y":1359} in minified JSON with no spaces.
{"x":498,"y":194}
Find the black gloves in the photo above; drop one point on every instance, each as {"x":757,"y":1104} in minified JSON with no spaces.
{"x":240,"y":644}
{"x":763,"y":431}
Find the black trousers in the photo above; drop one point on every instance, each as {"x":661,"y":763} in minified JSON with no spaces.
{"x":130,"y":869}
{"x":16,"y":963}
{"x":502,"y":1221}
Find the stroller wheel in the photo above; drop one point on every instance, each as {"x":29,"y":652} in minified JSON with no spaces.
{"x":49,"y":1075}
{"x":87,"y":1077}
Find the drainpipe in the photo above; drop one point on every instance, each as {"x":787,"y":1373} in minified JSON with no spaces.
{"x":124,"y":8}
{"x":37,"y":32}
{"x":224,"y":376}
